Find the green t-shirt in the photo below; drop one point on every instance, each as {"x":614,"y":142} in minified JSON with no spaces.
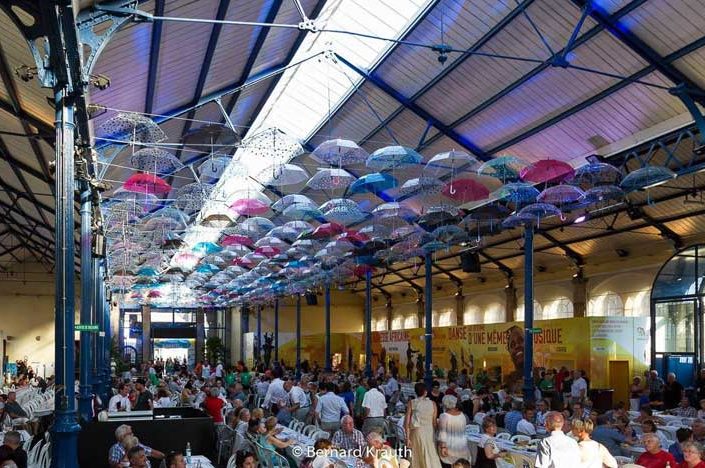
{"x":245,"y":378}
{"x":230,"y":378}
{"x":359,"y":396}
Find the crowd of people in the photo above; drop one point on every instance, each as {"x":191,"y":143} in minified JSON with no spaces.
{"x":432,"y":424}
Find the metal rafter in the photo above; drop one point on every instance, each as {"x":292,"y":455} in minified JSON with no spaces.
{"x":206,"y":65}
{"x":695,"y":45}
{"x":154,"y":48}
{"x":420,"y":112}
{"x":636,"y":44}
{"x":665,"y":231}
{"x":457,"y":281}
{"x":29,"y":193}
{"x":570,"y":253}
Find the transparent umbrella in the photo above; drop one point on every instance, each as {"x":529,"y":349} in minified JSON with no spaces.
{"x":339,"y":153}
{"x":155,"y":161}
{"x":393,"y":157}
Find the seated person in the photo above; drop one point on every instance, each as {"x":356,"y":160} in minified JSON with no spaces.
{"x":525,"y":426}
{"x":245,"y":460}
{"x":382,"y":455}
{"x":347,"y":437}
{"x":11,"y":449}
{"x":683,"y":434}
{"x":120,"y":401}
{"x":213,"y":405}
{"x":684,"y":410}
{"x":175,"y":460}
{"x":137,"y":458}
{"x":649,"y":427}
{"x":117,"y":452}
{"x":654,"y":457}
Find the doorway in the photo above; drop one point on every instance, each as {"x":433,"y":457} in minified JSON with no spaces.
{"x":619,"y":381}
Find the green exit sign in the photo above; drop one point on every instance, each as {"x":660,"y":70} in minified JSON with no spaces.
{"x":87,"y":327}
{"x":535,"y":330}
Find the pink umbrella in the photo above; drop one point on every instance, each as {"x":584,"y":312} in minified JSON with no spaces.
{"x":249,"y":207}
{"x":146,"y":183}
{"x":327,"y":230}
{"x":465,"y":190}
{"x":236,"y":239}
{"x":361,"y":270}
{"x":268,"y":251}
{"x":153,"y":294}
{"x":136,"y":295}
{"x":354,"y":237}
{"x":547,"y":170}
{"x":243,"y":262}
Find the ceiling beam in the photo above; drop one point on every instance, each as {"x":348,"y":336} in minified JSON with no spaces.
{"x":570,"y":253}
{"x":8,"y":250}
{"x":29,"y":194}
{"x":665,"y":231}
{"x":623,"y":33}
{"x":693,"y":46}
{"x":457,"y":281}
{"x":154,"y":48}
{"x":45,"y":129}
{"x":420,"y":112}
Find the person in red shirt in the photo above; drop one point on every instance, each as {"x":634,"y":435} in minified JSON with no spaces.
{"x":214,"y":406}
{"x":654,"y":457}
{"x":692,"y":455}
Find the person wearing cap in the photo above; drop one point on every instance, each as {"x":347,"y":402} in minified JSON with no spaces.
{"x":145,"y":400}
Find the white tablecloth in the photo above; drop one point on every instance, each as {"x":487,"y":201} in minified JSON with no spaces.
{"x":507,"y":446}
{"x":199,"y":461}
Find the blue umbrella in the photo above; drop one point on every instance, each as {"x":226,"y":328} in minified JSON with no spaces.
{"x":206,"y":248}
{"x":375,"y":182}
{"x":393,"y":157}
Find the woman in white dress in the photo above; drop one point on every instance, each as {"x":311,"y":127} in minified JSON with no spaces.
{"x":452,"y":441}
{"x":592,"y":453}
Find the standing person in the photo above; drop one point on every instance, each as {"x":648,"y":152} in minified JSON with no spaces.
{"x":557,"y":450}
{"x":655,"y":385}
{"x":329,"y":409}
{"x":119,"y":401}
{"x":359,"y":412}
{"x":700,"y":384}
{"x":592,"y":454}
{"x":452,"y":441}
{"x":145,"y":400}
{"x":373,"y":405}
{"x":635,"y":391}
{"x":673,"y":392}
{"x":419,"y":425}
{"x":654,"y":457}
{"x":578,"y":389}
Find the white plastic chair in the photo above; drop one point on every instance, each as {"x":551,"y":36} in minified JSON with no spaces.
{"x":472,"y":429}
{"x":520,"y":438}
{"x":632,"y":465}
{"x":318,"y":435}
{"x":504,"y":436}
{"x":44,"y":459}
{"x":621,"y":461}
{"x":309,"y":430}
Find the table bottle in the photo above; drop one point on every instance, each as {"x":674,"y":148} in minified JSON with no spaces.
{"x":188,"y":452}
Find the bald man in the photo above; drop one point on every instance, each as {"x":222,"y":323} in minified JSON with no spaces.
{"x":557,"y":450}
{"x":347,"y":437}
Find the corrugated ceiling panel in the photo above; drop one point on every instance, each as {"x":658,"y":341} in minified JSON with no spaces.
{"x":8,"y":176}
{"x":630,"y":110}
{"x":33,"y":97}
{"x":125,"y":60}
{"x":693,"y":65}
{"x":19,"y":147}
{"x":279,"y":40}
{"x":409,"y":68}
{"x":181,"y":53}
{"x":530,"y":104}
{"x":667,"y":25}
{"x":234,"y":46}
{"x":247,"y":102}
{"x":356,"y":120}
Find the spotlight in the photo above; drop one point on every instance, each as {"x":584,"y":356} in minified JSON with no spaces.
{"x":634,"y":213}
{"x":622,"y":253}
{"x":540,"y":268}
{"x":581,"y":219}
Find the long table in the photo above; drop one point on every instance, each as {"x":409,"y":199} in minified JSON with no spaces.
{"x":518,"y":454}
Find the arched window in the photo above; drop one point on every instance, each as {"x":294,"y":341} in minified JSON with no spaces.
{"x":444,"y":312}
{"x":538,"y":311}
{"x":494,"y":314}
{"x":606,"y":305}
{"x":558,"y":308}
{"x":472,"y":315}
{"x":411,"y":321}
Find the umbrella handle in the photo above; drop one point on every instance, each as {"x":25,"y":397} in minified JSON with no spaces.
{"x":452,"y":190}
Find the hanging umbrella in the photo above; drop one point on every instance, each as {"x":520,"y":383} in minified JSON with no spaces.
{"x":213,"y":167}
{"x":518,"y":193}
{"x":604,"y":194}
{"x":546,"y":170}
{"x":409,"y":233}
{"x":128,"y":126}
{"x":595,"y":174}
{"x":465,"y":190}
{"x":236,"y":239}
{"x":393,"y":157}
{"x":146,"y":183}
{"x":330,"y":179}
{"x":561,"y":195}
{"x":249,"y":203}
{"x":143,"y":201}
{"x":288,"y":200}
{"x":355,"y":237}
{"x":209,"y":135}
{"x":298,"y":226}
{"x":147,"y":271}
{"x":254,"y":227}
{"x":267,"y":251}
{"x":342,"y":210}
{"x":646,"y":177}
{"x":449,"y":234}
{"x":450,"y":160}
{"x":153,"y":294}
{"x":216,"y":215}
{"x":301,"y":211}
{"x":375,"y":182}
{"x":155,"y":161}
{"x":191,"y":197}
{"x":281,"y":175}
{"x":437,"y":216}
{"x":488,"y":212}
{"x":421,"y":186}
{"x":536,"y":212}
{"x":283,"y":233}
{"x":504,"y":168}
{"x":272,"y":242}
{"x":394,"y":209}
{"x":339,"y":153}
{"x":326,"y":230}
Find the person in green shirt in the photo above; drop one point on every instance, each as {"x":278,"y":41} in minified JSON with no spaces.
{"x":230,"y":377}
{"x":359,"y":396}
{"x":245,"y":378}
